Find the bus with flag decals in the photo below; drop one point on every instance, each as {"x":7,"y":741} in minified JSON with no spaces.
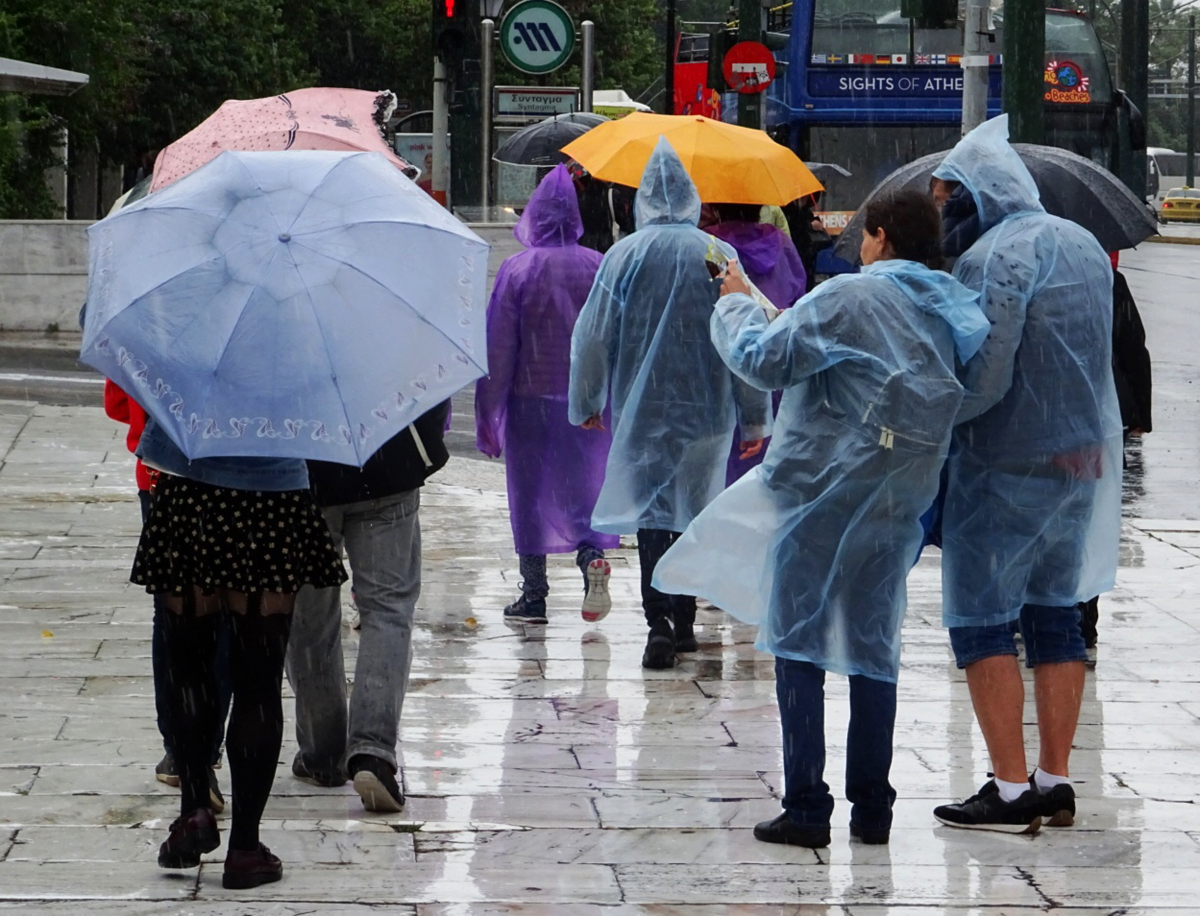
{"x":873,"y":84}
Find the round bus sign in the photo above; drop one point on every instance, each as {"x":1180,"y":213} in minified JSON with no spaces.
{"x":749,"y":67}
{"x":537,"y":36}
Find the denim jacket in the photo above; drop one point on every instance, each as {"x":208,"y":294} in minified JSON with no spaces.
{"x":242,"y":473}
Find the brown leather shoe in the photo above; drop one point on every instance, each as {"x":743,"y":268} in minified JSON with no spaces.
{"x":245,"y":868}
{"x":191,"y":836}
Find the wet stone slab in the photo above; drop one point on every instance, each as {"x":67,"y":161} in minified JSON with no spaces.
{"x":548,"y":774}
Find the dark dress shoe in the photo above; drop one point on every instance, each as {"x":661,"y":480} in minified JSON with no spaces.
{"x":784,"y":830}
{"x":246,"y":868}
{"x":191,"y":836}
{"x":871,"y":836}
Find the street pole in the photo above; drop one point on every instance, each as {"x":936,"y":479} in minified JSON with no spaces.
{"x":1135,"y":80}
{"x":587,"y":70}
{"x":1024,"y":66}
{"x":975,"y":65}
{"x":751,"y":25}
{"x":440,"y":179}
{"x":1191,"y":103}
{"x":669,"y":72}
{"x":487,"y":78}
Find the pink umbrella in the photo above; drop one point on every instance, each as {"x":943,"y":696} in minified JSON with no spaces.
{"x":307,"y":119}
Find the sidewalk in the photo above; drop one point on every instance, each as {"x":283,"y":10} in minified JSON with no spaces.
{"x":547,"y":773}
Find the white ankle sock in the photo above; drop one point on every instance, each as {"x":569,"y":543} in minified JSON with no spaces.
{"x":1010,"y":791}
{"x":1047,"y":781}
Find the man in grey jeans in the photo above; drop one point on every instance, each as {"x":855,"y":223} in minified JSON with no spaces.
{"x":373,"y":512}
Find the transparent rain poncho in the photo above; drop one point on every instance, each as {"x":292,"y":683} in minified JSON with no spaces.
{"x":1032,"y":512}
{"x":815,"y":545}
{"x":554,"y":470}
{"x":642,"y":343}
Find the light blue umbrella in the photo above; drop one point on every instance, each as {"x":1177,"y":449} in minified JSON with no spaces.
{"x":295,"y":304}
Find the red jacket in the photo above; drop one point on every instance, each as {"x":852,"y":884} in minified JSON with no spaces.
{"x":122,"y":408}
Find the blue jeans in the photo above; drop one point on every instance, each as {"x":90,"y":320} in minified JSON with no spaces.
{"x":1050,"y":634}
{"x":382,"y":538}
{"x":534,"y":583}
{"x":800,"y":689}
{"x":158,"y":664}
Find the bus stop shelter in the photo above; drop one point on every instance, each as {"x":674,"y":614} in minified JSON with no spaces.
{"x":21,"y":76}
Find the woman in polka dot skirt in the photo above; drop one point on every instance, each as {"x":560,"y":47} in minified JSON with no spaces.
{"x":236,"y":536}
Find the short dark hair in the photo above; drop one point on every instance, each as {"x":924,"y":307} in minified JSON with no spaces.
{"x":737,"y":213}
{"x":912,"y":224}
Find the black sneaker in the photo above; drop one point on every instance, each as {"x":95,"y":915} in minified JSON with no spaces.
{"x":165,"y":771}
{"x":326,"y":779}
{"x":532,"y":610}
{"x":986,"y":810}
{"x":1057,"y":805}
{"x":784,"y":830}
{"x":685,"y":638}
{"x":660,"y":646}
{"x":375,"y":782}
{"x":216,"y":800}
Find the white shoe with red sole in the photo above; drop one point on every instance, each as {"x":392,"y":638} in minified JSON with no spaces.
{"x":597,"y":602}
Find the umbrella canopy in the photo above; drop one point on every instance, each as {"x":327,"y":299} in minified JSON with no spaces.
{"x":728,"y":164}
{"x":346,"y":120}
{"x":542,"y":143}
{"x":1070,"y":186}
{"x":305,"y":305}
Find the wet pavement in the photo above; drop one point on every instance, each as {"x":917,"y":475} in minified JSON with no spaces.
{"x":546,"y":772}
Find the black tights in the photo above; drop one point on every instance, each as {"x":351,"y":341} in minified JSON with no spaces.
{"x":258,"y":646}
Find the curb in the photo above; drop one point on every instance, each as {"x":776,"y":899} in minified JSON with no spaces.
{"x":1173,"y":240}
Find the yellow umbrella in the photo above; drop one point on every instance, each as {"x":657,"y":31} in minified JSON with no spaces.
{"x":729,"y":164}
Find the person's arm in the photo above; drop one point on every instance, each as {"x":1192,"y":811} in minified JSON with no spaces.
{"x":780,"y":353}
{"x":1130,"y":357}
{"x":504,"y":349}
{"x":592,"y":344}
{"x":1006,"y":284}
{"x":116,"y":402}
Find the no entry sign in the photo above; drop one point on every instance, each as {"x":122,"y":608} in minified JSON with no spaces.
{"x":749,"y":67}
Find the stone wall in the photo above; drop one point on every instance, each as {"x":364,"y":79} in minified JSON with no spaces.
{"x":43,"y":274}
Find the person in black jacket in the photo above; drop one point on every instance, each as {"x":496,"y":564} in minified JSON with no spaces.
{"x":373,"y":512}
{"x":1131,"y":372}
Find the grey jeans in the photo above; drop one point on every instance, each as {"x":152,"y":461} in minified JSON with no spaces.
{"x":383,"y":545}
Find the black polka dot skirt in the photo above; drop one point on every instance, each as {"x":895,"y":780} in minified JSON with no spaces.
{"x":210,"y":538}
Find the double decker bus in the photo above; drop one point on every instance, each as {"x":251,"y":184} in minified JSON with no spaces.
{"x":873,"y":84}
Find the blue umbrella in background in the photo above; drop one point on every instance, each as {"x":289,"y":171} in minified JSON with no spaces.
{"x":295,"y":304}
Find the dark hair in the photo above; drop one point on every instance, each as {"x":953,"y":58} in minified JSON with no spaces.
{"x":912,"y":225}
{"x":737,"y":213}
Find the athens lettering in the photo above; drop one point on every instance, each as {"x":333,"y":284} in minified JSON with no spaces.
{"x":915,"y":85}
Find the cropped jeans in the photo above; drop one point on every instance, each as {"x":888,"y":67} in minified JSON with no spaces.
{"x":382,"y":538}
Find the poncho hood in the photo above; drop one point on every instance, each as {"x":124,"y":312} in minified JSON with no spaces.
{"x":939,"y":294}
{"x":991,"y":170}
{"x":551,"y":219}
{"x":666,"y":195}
{"x":757,"y":244}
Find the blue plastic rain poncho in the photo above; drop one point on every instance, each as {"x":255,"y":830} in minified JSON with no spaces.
{"x":1032,"y":512}
{"x":643,"y":334}
{"x":554,"y":469}
{"x":815,"y":545}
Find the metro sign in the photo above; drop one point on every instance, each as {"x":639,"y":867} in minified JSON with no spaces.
{"x":537,"y":36}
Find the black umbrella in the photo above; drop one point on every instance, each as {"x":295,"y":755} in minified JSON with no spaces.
{"x":1071,"y":186}
{"x":541,"y":143}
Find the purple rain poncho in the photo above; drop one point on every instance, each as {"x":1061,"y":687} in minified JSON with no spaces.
{"x":769,"y":260}
{"x":554,"y":470}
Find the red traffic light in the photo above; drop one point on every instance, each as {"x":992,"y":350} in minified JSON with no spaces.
{"x":449,"y":9}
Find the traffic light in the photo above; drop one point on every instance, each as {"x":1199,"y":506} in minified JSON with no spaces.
{"x":452,"y":26}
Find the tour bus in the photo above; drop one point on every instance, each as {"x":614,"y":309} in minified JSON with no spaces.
{"x":1166,"y":169}
{"x":868,"y":87}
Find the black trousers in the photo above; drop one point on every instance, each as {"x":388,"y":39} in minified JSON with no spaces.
{"x":679,"y":609}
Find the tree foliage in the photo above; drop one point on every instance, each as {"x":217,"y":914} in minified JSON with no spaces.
{"x":157,"y":68}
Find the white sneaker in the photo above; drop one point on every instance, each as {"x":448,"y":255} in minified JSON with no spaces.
{"x":597,"y":602}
